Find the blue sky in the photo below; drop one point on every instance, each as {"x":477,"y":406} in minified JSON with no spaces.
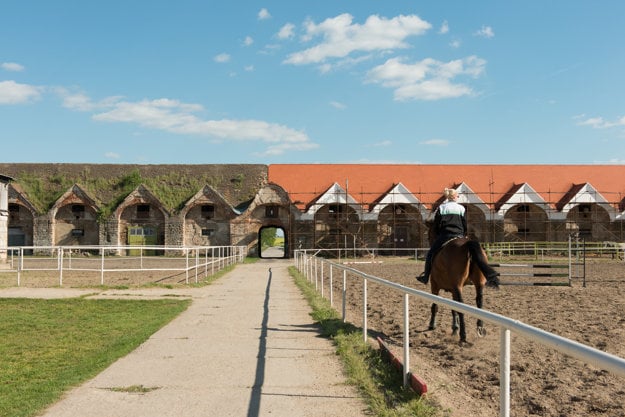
{"x":329,"y":81}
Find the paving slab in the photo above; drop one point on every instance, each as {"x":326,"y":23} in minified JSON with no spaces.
{"x":246,"y":346}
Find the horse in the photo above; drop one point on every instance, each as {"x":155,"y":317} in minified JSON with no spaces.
{"x":454,"y":266}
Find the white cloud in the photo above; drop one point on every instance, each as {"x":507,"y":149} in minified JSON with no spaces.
{"x":222,"y":58}
{"x":12,"y":66}
{"x":444,"y":28}
{"x":79,"y":101}
{"x":435,"y":142}
{"x":485,"y":32}
{"x":111,"y":155}
{"x":340,"y":37}
{"x":249,"y":68}
{"x":287,"y":31}
{"x":383,"y":143}
{"x":428,"y":79}
{"x":176,"y":117}
{"x":248,"y":41}
{"x":16,"y":93}
{"x":263,"y":14}
{"x":282,"y":148}
{"x":455,"y":44}
{"x":338,"y":105}
{"x":600,"y":122}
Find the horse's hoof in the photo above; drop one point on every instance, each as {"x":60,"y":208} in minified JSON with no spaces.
{"x":454,"y":332}
{"x":431,"y":327}
{"x":481,"y":331}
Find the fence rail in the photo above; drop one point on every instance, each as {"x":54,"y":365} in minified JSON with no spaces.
{"x":193,"y":261}
{"x":541,"y":249}
{"x":309,"y":264}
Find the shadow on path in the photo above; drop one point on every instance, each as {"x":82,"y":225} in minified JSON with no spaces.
{"x":257,"y":390}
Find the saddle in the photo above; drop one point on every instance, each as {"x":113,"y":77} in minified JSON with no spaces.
{"x":445,"y":243}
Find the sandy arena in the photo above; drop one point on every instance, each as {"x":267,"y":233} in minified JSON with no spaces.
{"x":465,"y":379}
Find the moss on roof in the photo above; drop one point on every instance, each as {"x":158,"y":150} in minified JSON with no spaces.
{"x":109,"y":184}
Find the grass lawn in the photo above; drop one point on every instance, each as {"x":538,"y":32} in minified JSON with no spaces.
{"x":49,"y":346}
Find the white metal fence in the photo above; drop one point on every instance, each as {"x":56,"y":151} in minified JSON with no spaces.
{"x":311,"y":265}
{"x":190,"y":261}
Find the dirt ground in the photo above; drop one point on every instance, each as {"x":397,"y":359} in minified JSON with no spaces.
{"x":465,"y":379}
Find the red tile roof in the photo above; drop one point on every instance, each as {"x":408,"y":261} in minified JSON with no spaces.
{"x":367,"y":182}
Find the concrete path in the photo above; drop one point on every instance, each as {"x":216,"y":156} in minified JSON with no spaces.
{"x":245,"y":347}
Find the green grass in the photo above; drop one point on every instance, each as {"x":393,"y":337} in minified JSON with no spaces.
{"x":49,"y":346}
{"x":380,"y":384}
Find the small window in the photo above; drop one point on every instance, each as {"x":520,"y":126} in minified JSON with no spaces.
{"x":78,"y":232}
{"x":78,"y":210}
{"x":400,"y":209}
{"x":14,"y":212}
{"x":208,"y":211}
{"x":335,"y":208}
{"x":523,"y":208}
{"x":585,"y":208}
{"x":143,"y":211}
{"x":271,"y":211}
{"x":208,"y":232}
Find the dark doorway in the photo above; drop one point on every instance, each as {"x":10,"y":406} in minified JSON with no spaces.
{"x":272,"y":242}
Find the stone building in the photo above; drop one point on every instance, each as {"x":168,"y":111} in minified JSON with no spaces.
{"x":205,"y":219}
{"x":4,"y":215}
{"x":389,"y":206}
{"x":385,"y":207}
{"x":73,"y":219}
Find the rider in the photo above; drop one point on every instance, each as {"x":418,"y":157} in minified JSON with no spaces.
{"x":450,"y":222}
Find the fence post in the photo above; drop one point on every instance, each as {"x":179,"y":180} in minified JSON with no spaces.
{"x":504,"y":373}
{"x":60,"y":255}
{"x":331,"y":287}
{"x":344,"y":293}
{"x":321,"y":278}
{"x":316,"y":275}
{"x":570,"y":260}
{"x":364,"y":310}
{"x":186,"y":270}
{"x":197,"y":262}
{"x":406,"y":341}
{"x":102,"y":268}
{"x":20,"y":265}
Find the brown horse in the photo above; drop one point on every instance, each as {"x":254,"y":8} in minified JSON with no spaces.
{"x":453,"y":267}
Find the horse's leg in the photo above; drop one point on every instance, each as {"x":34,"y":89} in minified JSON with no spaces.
{"x":433,"y":311}
{"x":481,"y":331}
{"x":457,"y":296}
{"x":454,"y":322}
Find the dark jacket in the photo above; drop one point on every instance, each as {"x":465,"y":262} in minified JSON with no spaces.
{"x":450,"y":220}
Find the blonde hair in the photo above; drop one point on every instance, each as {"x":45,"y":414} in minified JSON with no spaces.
{"x":450,"y":193}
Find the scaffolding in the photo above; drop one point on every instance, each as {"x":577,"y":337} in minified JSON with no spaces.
{"x":401,"y":220}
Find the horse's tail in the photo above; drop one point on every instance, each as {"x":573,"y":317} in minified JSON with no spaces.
{"x":477,"y":256}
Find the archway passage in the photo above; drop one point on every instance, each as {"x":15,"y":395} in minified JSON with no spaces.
{"x":272,"y":243}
